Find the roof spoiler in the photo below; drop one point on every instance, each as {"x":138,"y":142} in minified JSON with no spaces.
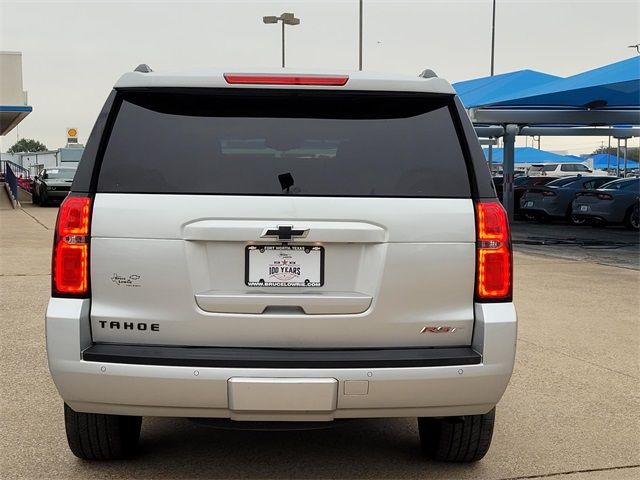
{"x":143,"y":68}
{"x":428,"y":73}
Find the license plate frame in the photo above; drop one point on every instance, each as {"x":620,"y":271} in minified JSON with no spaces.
{"x":528,"y":204}
{"x":584,"y":208}
{"x":279,"y":279}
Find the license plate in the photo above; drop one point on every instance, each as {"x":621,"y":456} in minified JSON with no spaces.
{"x":528,"y":204}
{"x":284,"y":266}
{"x":584,"y":208}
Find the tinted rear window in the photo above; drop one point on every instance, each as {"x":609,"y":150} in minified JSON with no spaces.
{"x":60,"y":173}
{"x":520,"y":181}
{"x":274,"y":143}
{"x":622,"y":184}
{"x":560,"y":182}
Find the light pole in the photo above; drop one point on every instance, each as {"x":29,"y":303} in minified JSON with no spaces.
{"x":493,"y":35}
{"x":360,"y":39}
{"x":286,"y":19}
{"x":493,"y":44}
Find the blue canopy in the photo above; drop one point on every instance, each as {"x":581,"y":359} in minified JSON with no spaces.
{"x":600,"y":161}
{"x":484,"y":90}
{"x":613,"y":86}
{"x":532,"y":155}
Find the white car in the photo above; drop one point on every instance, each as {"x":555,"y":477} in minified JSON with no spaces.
{"x":562,"y":170}
{"x":281,"y":247}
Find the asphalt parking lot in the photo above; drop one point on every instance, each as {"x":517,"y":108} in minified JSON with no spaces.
{"x":613,"y":245}
{"x":570,"y":412}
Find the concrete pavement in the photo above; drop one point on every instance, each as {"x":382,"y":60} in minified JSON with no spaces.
{"x":570,"y":412}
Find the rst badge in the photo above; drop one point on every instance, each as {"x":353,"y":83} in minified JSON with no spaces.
{"x":440,"y":329}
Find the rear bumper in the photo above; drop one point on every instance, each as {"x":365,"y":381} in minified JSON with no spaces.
{"x":103,"y":384}
{"x":225,"y":357}
{"x":57,"y":193}
{"x":607,"y":215}
{"x":549,"y":209}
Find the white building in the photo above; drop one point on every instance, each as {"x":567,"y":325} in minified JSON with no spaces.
{"x":33,"y":162}
{"x":13,"y":99}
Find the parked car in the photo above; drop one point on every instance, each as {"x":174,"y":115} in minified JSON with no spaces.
{"x":372,"y":280}
{"x":615,"y":202}
{"x":52,"y":184}
{"x":520,"y":185}
{"x":553,"y":200}
{"x":563,"y":170}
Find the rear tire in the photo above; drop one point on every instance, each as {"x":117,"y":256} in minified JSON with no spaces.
{"x":632,"y":218}
{"x":544,"y":219}
{"x":573,"y":220}
{"x":457,"y":439}
{"x":42,"y":199}
{"x":95,"y":436}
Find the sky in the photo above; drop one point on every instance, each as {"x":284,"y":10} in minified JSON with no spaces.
{"x":74,"y":51}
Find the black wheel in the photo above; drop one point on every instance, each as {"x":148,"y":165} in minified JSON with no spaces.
{"x":573,"y":220}
{"x":544,"y":218}
{"x":42,"y":199}
{"x":457,"y":439}
{"x":632,"y":218}
{"x":94,"y":436}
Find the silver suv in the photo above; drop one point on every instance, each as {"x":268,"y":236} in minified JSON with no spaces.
{"x":281,"y":248}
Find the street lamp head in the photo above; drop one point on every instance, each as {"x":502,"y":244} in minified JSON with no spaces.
{"x":286,"y":19}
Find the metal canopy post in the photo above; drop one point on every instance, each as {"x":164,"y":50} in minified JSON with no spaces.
{"x":624,"y":153}
{"x":508,"y":167}
{"x":490,"y":158}
{"x":618,"y":159}
{"x":609,"y":156}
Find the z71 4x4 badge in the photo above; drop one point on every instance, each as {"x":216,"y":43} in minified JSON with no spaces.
{"x":130,"y":281}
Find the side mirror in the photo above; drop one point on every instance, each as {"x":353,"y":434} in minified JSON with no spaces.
{"x":45,"y":176}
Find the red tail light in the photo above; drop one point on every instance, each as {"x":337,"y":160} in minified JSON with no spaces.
{"x":605,"y":196}
{"x":70,"y":262}
{"x":549,"y":193}
{"x":494,"y":260}
{"x":284,"y":79}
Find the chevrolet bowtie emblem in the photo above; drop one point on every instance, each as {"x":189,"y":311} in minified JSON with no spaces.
{"x":284,"y":232}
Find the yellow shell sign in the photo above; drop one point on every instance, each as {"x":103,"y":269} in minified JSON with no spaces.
{"x":72,"y":132}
